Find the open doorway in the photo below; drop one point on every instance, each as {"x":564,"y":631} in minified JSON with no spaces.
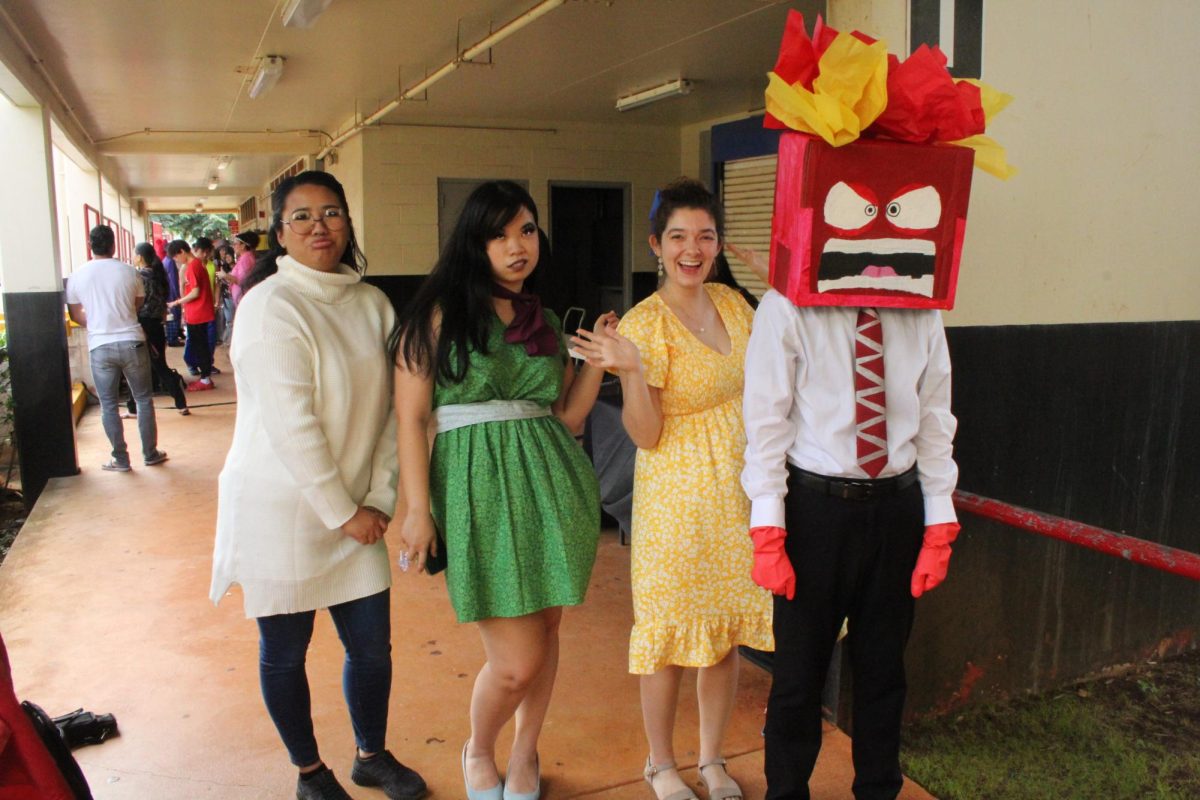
{"x":589,"y":234}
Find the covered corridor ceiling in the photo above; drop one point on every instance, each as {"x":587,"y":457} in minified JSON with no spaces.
{"x":161,"y":87}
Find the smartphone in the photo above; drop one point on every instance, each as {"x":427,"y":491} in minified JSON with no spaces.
{"x":572,"y":321}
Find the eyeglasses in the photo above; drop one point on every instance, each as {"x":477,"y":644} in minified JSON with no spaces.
{"x":303,"y":221}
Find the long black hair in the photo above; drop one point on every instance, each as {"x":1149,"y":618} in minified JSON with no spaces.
{"x":158,"y":273}
{"x":459,"y":288}
{"x":266,"y":265}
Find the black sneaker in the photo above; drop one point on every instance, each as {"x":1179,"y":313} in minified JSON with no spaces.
{"x":323,"y":785}
{"x":385,"y":772}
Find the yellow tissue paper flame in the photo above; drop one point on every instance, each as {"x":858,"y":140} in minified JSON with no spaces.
{"x":849,"y":92}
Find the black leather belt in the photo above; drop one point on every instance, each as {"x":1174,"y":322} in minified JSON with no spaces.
{"x":854,"y":488}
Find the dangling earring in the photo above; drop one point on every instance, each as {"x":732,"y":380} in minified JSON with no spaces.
{"x":661,"y":271}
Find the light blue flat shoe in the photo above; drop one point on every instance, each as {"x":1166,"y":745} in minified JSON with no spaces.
{"x":494,"y":793}
{"x":536,"y":794}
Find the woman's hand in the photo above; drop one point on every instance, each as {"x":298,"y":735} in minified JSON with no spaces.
{"x":367,"y":526}
{"x":757,"y":262}
{"x":605,"y":348}
{"x":419,"y":535}
{"x":606,"y":322}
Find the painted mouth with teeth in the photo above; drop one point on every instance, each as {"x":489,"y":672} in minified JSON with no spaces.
{"x":891,"y":265}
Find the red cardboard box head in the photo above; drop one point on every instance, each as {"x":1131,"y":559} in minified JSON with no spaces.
{"x":871,"y":223}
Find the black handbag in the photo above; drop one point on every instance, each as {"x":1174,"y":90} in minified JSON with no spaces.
{"x":435,"y":564}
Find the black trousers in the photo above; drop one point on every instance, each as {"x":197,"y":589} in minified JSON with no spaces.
{"x":853,"y":559}
{"x":165,"y":378}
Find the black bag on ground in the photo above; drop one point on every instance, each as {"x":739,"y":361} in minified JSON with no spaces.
{"x":79,"y":727}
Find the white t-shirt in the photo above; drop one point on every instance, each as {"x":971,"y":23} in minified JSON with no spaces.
{"x":108,"y":289}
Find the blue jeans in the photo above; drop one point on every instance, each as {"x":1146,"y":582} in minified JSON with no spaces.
{"x":226,"y":312}
{"x":130,"y":358}
{"x":364,"y":626}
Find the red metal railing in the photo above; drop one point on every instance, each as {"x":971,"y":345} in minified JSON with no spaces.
{"x":1130,"y":548}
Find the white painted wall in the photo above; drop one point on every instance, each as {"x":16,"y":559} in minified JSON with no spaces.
{"x":75,"y":185}
{"x":349,"y":171}
{"x":1097,"y":227}
{"x":28,"y":252}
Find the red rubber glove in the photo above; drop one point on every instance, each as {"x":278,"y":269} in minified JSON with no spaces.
{"x":934,"y":558}
{"x":772,"y":570}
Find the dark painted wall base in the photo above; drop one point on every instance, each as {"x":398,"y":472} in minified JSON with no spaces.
{"x":41,"y":388}
{"x":1096,"y":423}
{"x":398,"y":288}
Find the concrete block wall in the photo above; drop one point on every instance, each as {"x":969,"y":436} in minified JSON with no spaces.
{"x":397,"y":182}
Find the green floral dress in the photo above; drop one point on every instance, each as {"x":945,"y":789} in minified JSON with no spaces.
{"x":516,"y":501}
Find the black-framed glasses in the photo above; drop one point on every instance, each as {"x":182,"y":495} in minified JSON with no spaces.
{"x":302,"y":221}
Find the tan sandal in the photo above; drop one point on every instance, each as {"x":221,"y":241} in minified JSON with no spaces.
{"x":725,"y":793}
{"x":653,"y":769}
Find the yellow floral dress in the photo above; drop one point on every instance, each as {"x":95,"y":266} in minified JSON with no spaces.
{"x":693,"y":599}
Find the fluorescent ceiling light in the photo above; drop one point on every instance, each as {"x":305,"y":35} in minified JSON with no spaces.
{"x":269,"y":70}
{"x":303,"y":13}
{"x":670,"y":89}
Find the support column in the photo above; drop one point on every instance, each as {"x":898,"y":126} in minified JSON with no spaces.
{"x":33,"y":300}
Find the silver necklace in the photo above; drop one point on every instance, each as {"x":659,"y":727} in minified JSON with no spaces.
{"x":690,"y":321}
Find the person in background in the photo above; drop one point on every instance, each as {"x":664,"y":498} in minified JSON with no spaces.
{"x":244,"y":246}
{"x":225,"y":260}
{"x":104,"y":296}
{"x":197,"y":304}
{"x":511,"y":494}
{"x":150,"y":317}
{"x":174,"y":328}
{"x":309,"y":484}
{"x":205,"y":246}
{"x":680,"y":355}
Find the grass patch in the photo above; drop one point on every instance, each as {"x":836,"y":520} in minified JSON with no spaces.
{"x":1132,"y":736}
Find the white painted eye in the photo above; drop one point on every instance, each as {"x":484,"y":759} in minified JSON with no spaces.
{"x":848,"y":209}
{"x":917,"y":209}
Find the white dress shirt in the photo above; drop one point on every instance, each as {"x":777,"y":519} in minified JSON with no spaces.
{"x":799,"y":402}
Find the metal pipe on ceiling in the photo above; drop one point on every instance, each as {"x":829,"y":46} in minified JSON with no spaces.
{"x":480,"y":47}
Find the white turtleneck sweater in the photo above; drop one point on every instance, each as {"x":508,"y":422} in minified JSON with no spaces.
{"x":315,"y":438}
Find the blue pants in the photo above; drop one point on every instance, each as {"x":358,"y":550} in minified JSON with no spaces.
{"x":364,"y":626}
{"x":174,"y":325}
{"x":198,"y":350}
{"x":130,"y":358}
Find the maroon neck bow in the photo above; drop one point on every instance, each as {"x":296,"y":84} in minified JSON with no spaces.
{"x":528,"y":326}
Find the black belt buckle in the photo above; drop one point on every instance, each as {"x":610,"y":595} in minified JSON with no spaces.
{"x":850,"y":489}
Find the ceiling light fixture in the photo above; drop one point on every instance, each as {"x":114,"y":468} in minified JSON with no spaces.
{"x":303,"y":13}
{"x":674,"y":88}
{"x":200,"y":207}
{"x":222,"y":162}
{"x":267,"y":75}
{"x":212,"y":183}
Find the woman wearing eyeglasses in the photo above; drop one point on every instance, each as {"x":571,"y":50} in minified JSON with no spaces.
{"x":309,"y":484}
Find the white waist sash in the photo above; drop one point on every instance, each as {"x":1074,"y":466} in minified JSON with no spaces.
{"x":460,"y":415}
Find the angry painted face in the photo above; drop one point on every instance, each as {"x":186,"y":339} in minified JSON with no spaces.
{"x":872,"y":223}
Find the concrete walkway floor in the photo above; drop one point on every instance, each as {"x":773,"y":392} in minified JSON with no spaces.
{"x":104,"y":604}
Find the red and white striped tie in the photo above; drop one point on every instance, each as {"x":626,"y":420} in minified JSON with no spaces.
{"x":869,"y":399}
